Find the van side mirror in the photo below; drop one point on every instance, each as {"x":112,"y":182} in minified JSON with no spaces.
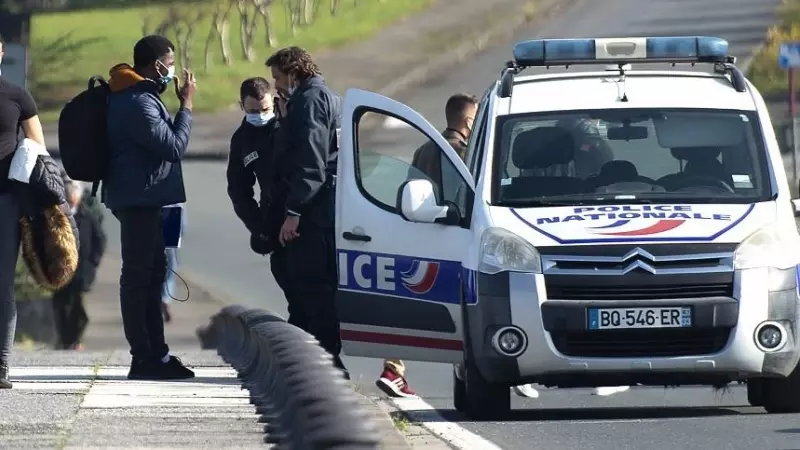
{"x":796,"y":206}
{"x":416,"y":202}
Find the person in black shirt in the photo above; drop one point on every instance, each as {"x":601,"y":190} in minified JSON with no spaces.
{"x":17,"y":112}
{"x":306,"y":189}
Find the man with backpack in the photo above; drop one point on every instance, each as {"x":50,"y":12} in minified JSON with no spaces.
{"x":144,"y":174}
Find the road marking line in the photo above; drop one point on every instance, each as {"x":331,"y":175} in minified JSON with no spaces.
{"x":420,"y":411}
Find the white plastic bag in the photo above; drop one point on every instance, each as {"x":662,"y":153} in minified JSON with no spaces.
{"x":24,"y":160}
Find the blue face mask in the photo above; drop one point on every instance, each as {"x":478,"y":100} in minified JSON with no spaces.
{"x":259,"y":119}
{"x":165,"y":79}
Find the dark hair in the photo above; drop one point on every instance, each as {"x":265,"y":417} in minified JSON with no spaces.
{"x":294,"y":61}
{"x":457,"y":105}
{"x":256,"y":87}
{"x":149,"y":49}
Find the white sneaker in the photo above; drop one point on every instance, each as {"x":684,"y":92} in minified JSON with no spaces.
{"x":525,"y":390}
{"x":609,"y":390}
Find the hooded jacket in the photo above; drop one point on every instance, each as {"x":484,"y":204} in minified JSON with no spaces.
{"x":145,"y":145}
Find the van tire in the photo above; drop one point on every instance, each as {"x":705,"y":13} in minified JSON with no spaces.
{"x":755,"y":392}
{"x":484,"y":400}
{"x":459,"y":392}
{"x":782,"y":395}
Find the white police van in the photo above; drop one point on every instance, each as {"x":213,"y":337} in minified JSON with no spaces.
{"x":607,"y":228}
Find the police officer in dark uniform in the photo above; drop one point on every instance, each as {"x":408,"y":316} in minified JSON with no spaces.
{"x":306,"y":175}
{"x":251,"y":160}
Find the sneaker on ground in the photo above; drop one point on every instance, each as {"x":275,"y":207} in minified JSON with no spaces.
{"x":525,"y":390}
{"x":609,"y":390}
{"x":394,"y":385}
{"x":157,"y":370}
{"x":5,"y":383}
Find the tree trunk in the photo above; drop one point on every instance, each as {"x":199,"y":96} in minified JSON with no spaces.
{"x":269,"y":29}
{"x":224,"y":32}
{"x":245,"y":31}
{"x":212,"y":33}
{"x":307,"y":12}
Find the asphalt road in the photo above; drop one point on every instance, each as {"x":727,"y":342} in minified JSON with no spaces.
{"x":217,"y":256}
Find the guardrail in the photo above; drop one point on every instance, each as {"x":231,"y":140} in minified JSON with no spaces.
{"x":302,"y":398}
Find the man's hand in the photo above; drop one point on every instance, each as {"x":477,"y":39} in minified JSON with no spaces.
{"x":289,"y":229}
{"x":186,"y":88}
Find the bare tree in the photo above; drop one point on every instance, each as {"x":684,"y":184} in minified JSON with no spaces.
{"x":189,"y":20}
{"x":300,"y":13}
{"x":263,"y":8}
{"x":334,"y":8}
{"x":219,"y":30}
{"x":247,"y":26}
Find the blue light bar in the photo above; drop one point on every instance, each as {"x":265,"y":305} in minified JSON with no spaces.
{"x":556,"y":52}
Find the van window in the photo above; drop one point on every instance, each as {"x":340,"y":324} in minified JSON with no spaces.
{"x":665,"y":155}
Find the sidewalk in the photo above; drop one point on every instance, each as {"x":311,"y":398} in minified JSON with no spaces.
{"x":401,"y":56}
{"x":82,"y":400}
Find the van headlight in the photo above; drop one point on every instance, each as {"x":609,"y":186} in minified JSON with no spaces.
{"x":503,"y":250}
{"x":772,"y":246}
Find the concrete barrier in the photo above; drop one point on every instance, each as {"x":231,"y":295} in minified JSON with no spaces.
{"x":303,"y":400}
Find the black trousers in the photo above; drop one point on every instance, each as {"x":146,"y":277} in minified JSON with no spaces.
{"x":70,"y":315}
{"x":305,"y":269}
{"x":144,"y":267}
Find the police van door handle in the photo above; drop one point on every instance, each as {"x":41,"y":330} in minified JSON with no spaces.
{"x":356,"y":237}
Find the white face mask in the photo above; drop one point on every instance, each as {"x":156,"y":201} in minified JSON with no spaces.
{"x":259,"y":119}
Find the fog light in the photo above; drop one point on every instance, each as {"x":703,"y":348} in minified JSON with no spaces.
{"x":770,"y":336}
{"x":509,"y":341}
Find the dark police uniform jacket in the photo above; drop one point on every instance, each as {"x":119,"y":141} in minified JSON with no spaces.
{"x":252,"y":159}
{"x":309,"y":149}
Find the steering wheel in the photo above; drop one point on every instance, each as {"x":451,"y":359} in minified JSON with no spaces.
{"x":689,"y":182}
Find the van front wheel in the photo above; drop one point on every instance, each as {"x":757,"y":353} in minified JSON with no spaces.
{"x":484,"y":400}
{"x":782,"y":395}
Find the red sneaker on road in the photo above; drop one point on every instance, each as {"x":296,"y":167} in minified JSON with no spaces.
{"x":394,"y":385}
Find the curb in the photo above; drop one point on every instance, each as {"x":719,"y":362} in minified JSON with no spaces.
{"x":437,"y":64}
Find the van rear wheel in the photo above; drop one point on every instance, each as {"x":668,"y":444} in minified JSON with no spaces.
{"x":459,"y":390}
{"x":484,"y":400}
{"x":781,"y":395}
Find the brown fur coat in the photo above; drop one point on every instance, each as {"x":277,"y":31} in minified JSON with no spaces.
{"x":48,"y":233}
{"x":49,"y":248}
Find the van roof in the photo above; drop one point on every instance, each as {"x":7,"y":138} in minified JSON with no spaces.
{"x":644,"y":89}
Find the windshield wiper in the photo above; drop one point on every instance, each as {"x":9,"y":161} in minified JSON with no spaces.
{"x":577,"y":200}
{"x":531,"y":202}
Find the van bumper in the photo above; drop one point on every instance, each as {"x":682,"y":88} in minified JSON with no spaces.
{"x":720,"y":346}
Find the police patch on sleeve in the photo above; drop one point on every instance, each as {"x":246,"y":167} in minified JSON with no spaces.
{"x":250,"y":157}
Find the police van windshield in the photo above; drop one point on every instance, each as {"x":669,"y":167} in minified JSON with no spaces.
{"x":630,"y":156}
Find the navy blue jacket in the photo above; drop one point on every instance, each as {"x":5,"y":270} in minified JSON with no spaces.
{"x":145,"y":145}
{"x":312,"y":139}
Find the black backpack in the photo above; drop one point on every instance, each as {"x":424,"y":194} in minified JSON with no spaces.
{"x":83,"y":136}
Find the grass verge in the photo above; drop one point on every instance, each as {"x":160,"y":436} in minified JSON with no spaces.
{"x":764,"y":71}
{"x":400,"y":421}
{"x":69,"y":47}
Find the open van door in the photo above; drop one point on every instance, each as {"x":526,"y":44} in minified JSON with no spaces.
{"x":399,"y":248}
